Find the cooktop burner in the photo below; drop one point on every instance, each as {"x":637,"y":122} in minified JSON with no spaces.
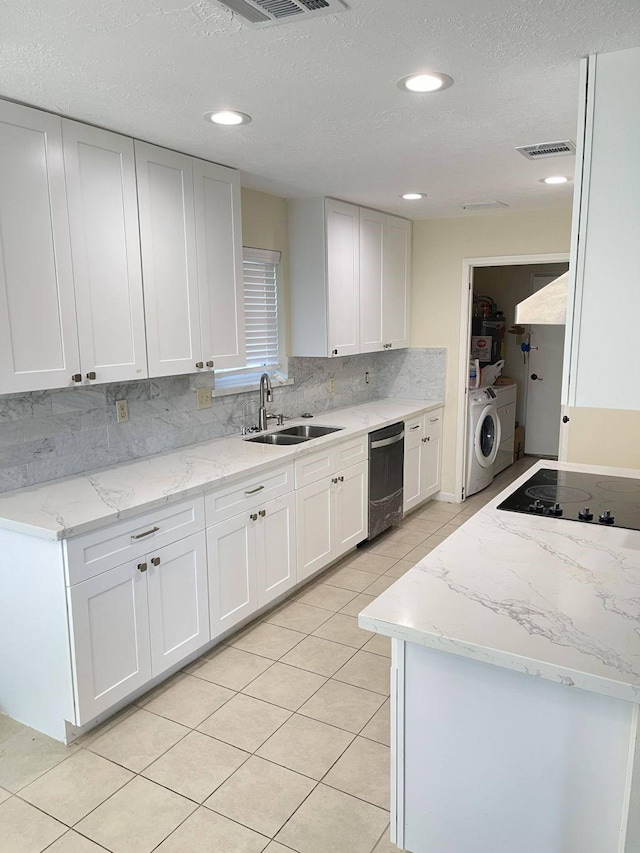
{"x":578,"y":496}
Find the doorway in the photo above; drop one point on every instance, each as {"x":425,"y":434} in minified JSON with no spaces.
{"x":528,"y":351}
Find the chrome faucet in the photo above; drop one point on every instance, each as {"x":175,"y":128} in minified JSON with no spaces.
{"x":266,"y":396}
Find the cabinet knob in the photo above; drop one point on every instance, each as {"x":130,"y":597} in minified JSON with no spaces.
{"x":142,"y":567}
{"x":91,"y":375}
{"x":341,"y":479}
{"x":262,"y":513}
{"x":199,"y":365}
{"x":254,"y":516}
{"x":210,"y":364}
{"x":428,"y":438}
{"x":77,"y":377}
{"x":155,"y":561}
{"x":334,"y":352}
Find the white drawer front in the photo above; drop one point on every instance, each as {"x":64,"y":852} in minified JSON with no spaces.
{"x":92,"y":553}
{"x":413,"y":432}
{"x":312,"y":468}
{"x":351,"y":452}
{"x":433,"y":423}
{"x":244,"y":495}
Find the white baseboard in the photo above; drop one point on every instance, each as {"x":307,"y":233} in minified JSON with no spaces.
{"x":448,"y":497}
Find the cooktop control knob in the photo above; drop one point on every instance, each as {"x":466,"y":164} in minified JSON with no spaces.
{"x":536,"y":506}
{"x":555,"y":511}
{"x":606,"y":517}
{"x":585,"y":514}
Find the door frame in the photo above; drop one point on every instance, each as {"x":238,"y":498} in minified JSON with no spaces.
{"x":466,"y":305}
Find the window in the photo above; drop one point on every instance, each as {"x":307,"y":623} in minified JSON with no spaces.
{"x":259,"y":267}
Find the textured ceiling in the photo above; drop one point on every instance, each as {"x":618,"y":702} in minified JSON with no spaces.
{"x":327,"y":116}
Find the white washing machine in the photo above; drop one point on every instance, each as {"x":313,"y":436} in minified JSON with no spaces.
{"x":483,"y":438}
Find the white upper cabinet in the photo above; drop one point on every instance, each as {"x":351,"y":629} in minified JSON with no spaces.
{"x":103,"y":220}
{"x":350,"y":278}
{"x":169,"y":265}
{"x":396,"y":291}
{"x":219,"y":254}
{"x":38,"y":335}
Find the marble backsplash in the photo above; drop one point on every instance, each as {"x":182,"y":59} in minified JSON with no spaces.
{"x":49,"y":434}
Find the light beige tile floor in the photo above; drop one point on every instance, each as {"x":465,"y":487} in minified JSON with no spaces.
{"x":276,"y":741}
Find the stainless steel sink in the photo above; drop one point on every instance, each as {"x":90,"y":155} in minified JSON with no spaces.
{"x":308,"y":431}
{"x":276,"y":438}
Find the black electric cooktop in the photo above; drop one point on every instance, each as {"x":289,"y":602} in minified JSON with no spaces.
{"x":577,"y":496}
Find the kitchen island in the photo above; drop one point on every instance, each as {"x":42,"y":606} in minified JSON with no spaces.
{"x":515,"y":686}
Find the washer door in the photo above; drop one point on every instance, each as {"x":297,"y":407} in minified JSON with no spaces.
{"x":487,"y":437}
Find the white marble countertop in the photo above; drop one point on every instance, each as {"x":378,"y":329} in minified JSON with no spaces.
{"x":72,"y":505}
{"x":551,"y":598}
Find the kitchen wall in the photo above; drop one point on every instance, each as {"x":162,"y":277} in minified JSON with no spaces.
{"x":439,"y":248}
{"x":50,"y":434}
{"x":507,"y":286}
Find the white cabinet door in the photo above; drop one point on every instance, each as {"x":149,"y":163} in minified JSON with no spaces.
{"x":219,"y":252}
{"x":38,"y":333}
{"x":276,"y":548}
{"x":178,"y":604}
{"x":412,"y":493}
{"x":103,"y":219}
{"x":431,"y":458}
{"x":169,"y":266}
{"x":351,"y":507}
{"x":109,"y":638}
{"x":372,"y":236}
{"x":397,"y":282}
{"x":343,"y":277}
{"x":315,"y":522}
{"x":231,"y":557}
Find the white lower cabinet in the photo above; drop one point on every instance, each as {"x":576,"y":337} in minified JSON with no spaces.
{"x":422,"y":458}
{"x":131,"y":623}
{"x":332,"y":518}
{"x":251,"y":561}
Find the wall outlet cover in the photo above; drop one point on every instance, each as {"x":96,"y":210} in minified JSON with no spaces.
{"x":204,"y":398}
{"x":122,"y":411}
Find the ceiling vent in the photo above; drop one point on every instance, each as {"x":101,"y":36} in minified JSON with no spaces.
{"x":547,"y":149}
{"x":268,"y":13}
{"x":484,"y":205}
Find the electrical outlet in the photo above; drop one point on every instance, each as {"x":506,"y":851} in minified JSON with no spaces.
{"x":332,"y":385}
{"x":122,"y":411}
{"x":203,"y":397}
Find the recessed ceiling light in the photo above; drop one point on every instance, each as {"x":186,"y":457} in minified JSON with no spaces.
{"x":227,"y":117}
{"x":425,"y":81}
{"x":413,"y":196}
{"x":554,"y":179}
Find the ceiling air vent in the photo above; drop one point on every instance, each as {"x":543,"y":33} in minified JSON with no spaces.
{"x":267,"y":13}
{"x":484,"y":205}
{"x":547,"y":149}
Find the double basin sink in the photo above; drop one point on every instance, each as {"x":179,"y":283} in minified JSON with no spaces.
{"x":294,"y":434}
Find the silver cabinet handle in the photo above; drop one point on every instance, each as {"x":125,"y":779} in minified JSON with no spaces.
{"x":146,"y":533}
{"x":386,"y":441}
{"x":199,"y":365}
{"x":142,"y":567}
{"x":209,"y":364}
{"x":155,"y":561}
{"x":428,"y":438}
{"x":91,"y":375}
{"x":433,"y":420}
{"x":254,"y":516}
{"x":253,"y":491}
{"x":262,"y":513}
{"x":77,"y":377}
{"x":341,"y":479}
{"x":417,"y":426}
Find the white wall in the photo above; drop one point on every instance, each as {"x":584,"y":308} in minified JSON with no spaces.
{"x":439,"y":248}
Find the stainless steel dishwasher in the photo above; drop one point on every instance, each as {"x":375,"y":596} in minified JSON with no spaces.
{"x":386,"y":477}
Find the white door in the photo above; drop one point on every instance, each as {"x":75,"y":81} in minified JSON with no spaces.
{"x":372,"y":233}
{"x":169,"y":265}
{"x":103,"y":219}
{"x":315,"y":521}
{"x":178,"y":604}
{"x":351,"y":507}
{"x":231,"y":557}
{"x":542,"y":416}
{"x":276,"y":548}
{"x":343,"y":277}
{"x":38,"y":333}
{"x":431,"y":459}
{"x":219,"y":251}
{"x":397,"y":282}
{"x":109,"y":638}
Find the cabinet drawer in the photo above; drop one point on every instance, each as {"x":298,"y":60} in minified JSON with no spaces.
{"x":324,"y":463}
{"x":246,"y":494}
{"x":413,"y":432}
{"x":92,"y":553}
{"x":433,"y":423}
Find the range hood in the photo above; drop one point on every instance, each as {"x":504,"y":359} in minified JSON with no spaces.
{"x":546,"y":307}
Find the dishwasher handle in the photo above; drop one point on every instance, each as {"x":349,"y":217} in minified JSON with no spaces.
{"x":384,"y":442}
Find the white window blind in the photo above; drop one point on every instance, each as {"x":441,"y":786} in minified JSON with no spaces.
{"x":260,"y":269}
